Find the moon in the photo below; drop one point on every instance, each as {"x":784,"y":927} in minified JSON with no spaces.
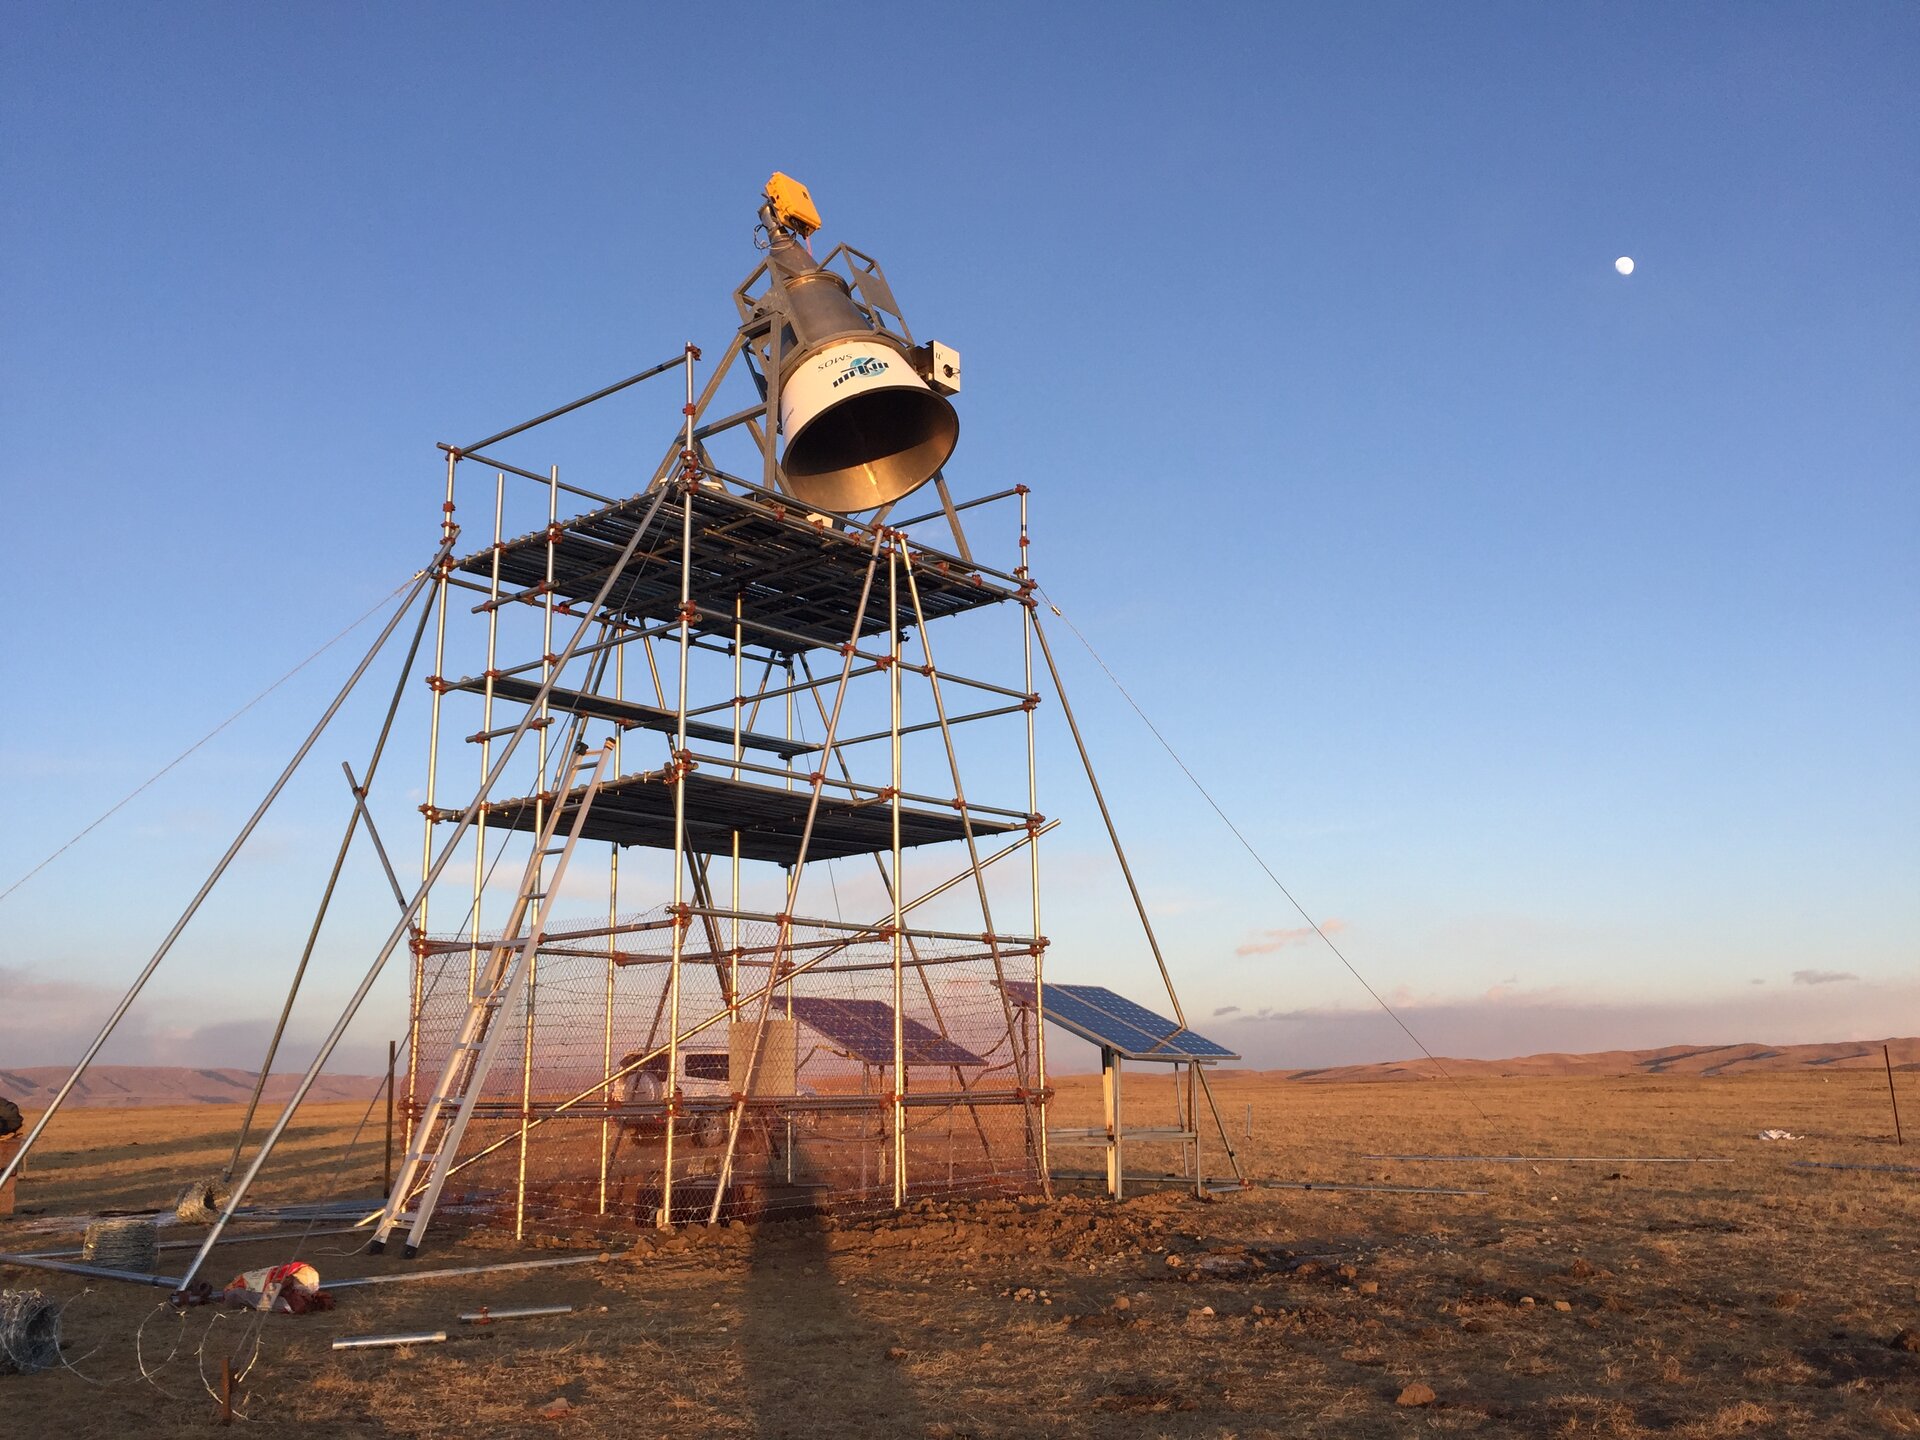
{"x":1624,"y":264}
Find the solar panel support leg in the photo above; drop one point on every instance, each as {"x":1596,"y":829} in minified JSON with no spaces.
{"x":1116,"y":1121}
{"x":1193,"y":1126}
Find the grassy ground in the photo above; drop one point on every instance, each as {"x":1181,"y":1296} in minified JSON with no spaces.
{"x":1748,"y":1298}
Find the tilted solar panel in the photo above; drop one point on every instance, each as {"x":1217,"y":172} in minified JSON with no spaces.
{"x":864,"y":1029}
{"x":1098,"y":1014}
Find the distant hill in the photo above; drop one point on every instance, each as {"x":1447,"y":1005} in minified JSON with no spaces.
{"x":1709,"y":1061}
{"x":32,"y":1086}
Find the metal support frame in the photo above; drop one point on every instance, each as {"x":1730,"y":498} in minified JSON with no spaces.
{"x":732,"y":616}
{"x":754,"y":975}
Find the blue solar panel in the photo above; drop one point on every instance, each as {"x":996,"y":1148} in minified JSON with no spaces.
{"x":1098,"y":1014}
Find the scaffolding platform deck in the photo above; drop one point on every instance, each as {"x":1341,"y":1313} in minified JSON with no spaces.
{"x":798,"y":582}
{"x":630,"y":713}
{"x":638,"y":810}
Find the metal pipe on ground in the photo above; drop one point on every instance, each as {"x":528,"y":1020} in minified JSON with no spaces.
{"x":94,"y":1272}
{"x":195,"y":1244}
{"x":602,"y":1258}
{"x":376,"y":1342}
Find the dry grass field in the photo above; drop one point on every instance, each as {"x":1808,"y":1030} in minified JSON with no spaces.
{"x":1754,"y":1297}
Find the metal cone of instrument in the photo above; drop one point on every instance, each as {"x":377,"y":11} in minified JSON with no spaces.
{"x":862,"y":427}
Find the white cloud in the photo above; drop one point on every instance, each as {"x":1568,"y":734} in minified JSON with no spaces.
{"x":1268,"y":942}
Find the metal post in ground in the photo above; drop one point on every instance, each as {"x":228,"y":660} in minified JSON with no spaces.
{"x":436,"y":683}
{"x":549,"y":672}
{"x":680,"y":769}
{"x":783,"y":933}
{"x":1893,"y":1095}
{"x":1025,"y":573}
{"x":898,"y":1116}
{"x":739,"y":700}
{"x":486,"y":730}
{"x":1022,"y":1074}
{"x":613,"y":947}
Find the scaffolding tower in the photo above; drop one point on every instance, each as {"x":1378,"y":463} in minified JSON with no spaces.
{"x":759,"y":693}
{"x":635,"y":993}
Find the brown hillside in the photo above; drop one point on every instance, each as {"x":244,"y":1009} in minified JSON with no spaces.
{"x":1709,"y":1061}
{"x":31,"y":1086}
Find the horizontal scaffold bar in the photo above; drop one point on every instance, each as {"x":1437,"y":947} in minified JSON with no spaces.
{"x":769,"y":820}
{"x":629,"y":714}
{"x":712,"y":1104}
{"x":800,"y":576}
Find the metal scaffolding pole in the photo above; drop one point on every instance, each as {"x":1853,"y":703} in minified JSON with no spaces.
{"x":416,"y":981}
{"x":613,"y":944}
{"x":537,"y":919}
{"x":973,"y":853}
{"x":783,"y":935}
{"x":689,"y":481}
{"x":917,"y":960}
{"x":733,"y":956}
{"x":1025,"y":571}
{"x":414,"y":907}
{"x":899,"y":1106}
{"x":486,"y":729}
{"x":776,"y":979}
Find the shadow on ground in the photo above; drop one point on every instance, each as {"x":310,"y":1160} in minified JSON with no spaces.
{"x":812,"y":1363}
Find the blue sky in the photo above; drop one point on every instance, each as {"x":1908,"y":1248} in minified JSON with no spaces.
{"x":1553,"y":632}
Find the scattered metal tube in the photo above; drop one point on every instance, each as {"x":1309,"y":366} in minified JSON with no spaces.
{"x":601,"y":1258}
{"x":195,"y":1244}
{"x":376,"y":1342}
{"x":96,"y":1272}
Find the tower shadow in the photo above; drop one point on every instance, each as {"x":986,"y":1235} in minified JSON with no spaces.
{"x":812,"y":1363}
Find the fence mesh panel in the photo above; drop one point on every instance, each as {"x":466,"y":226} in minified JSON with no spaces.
{"x":571,"y":1125}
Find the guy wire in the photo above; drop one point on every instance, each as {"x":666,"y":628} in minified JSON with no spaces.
{"x":1248,"y":847}
{"x":111,"y":810}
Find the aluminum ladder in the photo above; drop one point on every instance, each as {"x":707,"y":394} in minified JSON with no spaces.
{"x":443,"y":1123}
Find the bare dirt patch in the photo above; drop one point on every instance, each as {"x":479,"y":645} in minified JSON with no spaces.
{"x":1753,"y":1298}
